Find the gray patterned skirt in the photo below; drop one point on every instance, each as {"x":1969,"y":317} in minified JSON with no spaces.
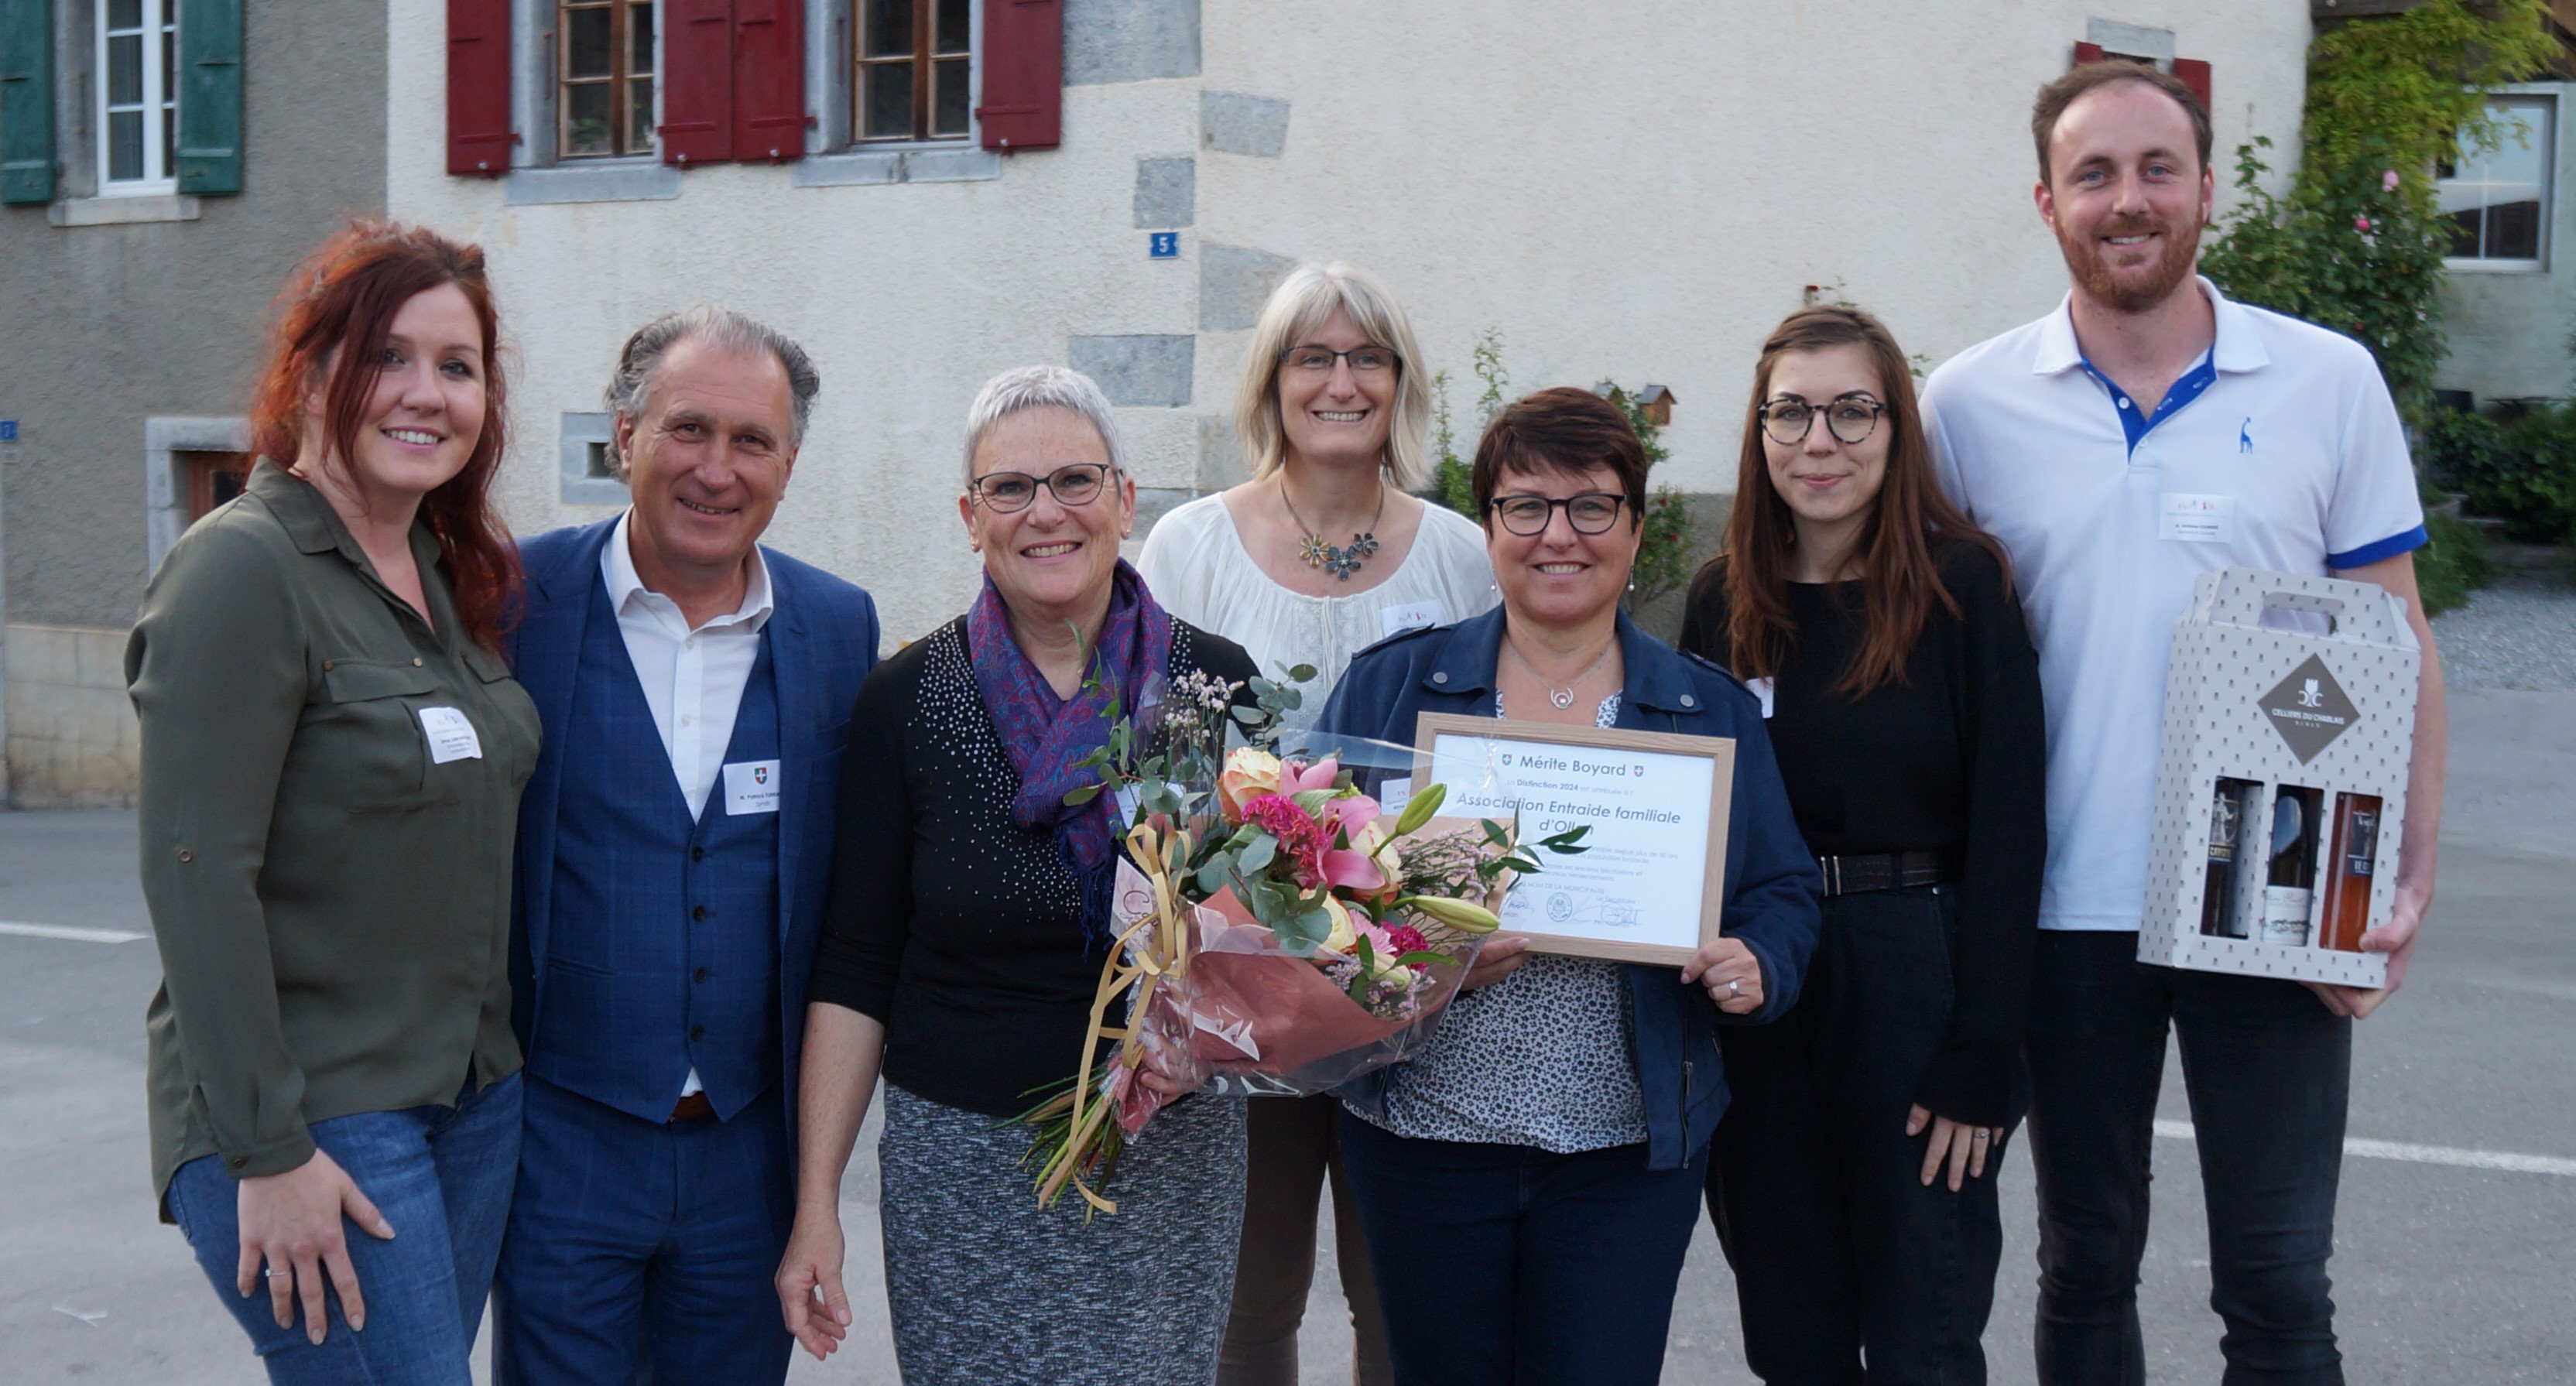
{"x":989,"y":1290}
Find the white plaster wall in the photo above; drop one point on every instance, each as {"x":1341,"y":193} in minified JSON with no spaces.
{"x":1639,"y":199}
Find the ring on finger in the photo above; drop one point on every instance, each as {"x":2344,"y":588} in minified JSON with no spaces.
{"x":1734,"y":988}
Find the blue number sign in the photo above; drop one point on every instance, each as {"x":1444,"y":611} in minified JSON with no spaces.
{"x":1164,"y":245}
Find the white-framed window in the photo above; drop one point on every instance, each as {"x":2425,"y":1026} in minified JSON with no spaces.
{"x":138,"y":96}
{"x":2498,"y":200}
{"x":912,"y":71}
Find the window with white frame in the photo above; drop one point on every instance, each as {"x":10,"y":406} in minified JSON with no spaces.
{"x":138,"y":94}
{"x":2497,"y":200}
{"x":605,"y":106}
{"x":914,"y":64}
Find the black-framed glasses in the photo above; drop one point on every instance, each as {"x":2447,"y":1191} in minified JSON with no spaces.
{"x":1850,"y":418}
{"x":1073,"y":485}
{"x":1593,"y":512}
{"x":1318,"y":360}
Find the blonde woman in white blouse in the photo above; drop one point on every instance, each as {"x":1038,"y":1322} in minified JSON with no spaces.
{"x":1319,"y":556}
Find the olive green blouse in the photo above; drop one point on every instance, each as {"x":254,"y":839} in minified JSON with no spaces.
{"x":330,"y":795}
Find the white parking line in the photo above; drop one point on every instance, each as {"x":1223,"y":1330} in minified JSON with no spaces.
{"x":66,"y":931}
{"x":2423,"y":1154}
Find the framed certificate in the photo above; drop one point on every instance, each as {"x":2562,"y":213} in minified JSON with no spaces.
{"x":1649,"y":886}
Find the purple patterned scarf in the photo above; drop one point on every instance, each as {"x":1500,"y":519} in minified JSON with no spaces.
{"x":1045,"y":735}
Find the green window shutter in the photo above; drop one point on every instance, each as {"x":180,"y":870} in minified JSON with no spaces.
{"x":26,"y":101}
{"x":209,"y":157}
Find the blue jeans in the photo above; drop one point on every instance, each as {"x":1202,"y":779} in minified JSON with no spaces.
{"x":1817,"y":1192}
{"x":2267,"y":1068}
{"x":442,"y":1177}
{"x":1500,"y":1264}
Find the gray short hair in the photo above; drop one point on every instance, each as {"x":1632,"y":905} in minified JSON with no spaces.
{"x":1036,"y":387}
{"x":725,"y":330}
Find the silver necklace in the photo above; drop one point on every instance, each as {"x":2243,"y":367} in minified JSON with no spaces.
{"x":1340,"y":560}
{"x":1563,"y":697}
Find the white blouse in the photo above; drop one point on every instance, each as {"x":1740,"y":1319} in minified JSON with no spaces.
{"x":1198,"y":568}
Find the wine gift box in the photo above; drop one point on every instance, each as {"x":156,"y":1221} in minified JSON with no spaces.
{"x":2289,"y":719}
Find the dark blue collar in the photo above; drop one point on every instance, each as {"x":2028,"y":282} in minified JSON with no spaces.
{"x":2135,"y":422}
{"x":1658,"y":677}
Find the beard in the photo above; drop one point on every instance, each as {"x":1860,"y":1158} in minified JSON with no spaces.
{"x":2088,"y":261}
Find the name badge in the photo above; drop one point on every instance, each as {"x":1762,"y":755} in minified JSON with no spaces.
{"x":451,"y":736}
{"x":2197,"y":519}
{"x":751,"y":786}
{"x":1396,"y":620}
{"x":1762,"y":689}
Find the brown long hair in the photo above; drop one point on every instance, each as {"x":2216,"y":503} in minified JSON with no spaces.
{"x":1900,"y":576}
{"x":333,"y":318}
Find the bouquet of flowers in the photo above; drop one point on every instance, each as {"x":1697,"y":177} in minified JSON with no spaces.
{"x":1277,"y":930}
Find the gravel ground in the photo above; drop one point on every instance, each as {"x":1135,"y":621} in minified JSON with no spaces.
{"x":2519,"y":633}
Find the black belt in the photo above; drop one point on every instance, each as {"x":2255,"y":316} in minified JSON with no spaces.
{"x":1856,"y":875}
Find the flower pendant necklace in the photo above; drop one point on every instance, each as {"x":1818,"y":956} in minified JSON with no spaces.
{"x":1341,"y":560}
{"x":1563,"y":697}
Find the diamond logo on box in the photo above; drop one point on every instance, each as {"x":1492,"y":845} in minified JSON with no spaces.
{"x":2309,"y":709}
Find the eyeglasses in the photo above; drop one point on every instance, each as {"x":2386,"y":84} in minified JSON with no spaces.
{"x":1593,"y":512}
{"x":1318,"y":360}
{"x":1850,"y":418}
{"x":1073,"y":487}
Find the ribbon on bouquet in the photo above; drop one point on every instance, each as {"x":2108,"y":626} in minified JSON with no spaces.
{"x":1143,"y":956}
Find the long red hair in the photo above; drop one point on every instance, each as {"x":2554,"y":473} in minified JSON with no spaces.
{"x":1900,"y":576}
{"x":333,"y":318}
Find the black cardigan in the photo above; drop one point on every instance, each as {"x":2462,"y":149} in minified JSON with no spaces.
{"x":961,"y":933}
{"x":1954,"y":757}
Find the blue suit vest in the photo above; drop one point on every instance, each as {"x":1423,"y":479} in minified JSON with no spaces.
{"x":664,"y":950}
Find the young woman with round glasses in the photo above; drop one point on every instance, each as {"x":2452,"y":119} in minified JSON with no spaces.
{"x":1854,"y":1181}
{"x":1317,"y":557}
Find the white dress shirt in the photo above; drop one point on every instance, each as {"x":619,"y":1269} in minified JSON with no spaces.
{"x":693,"y":679}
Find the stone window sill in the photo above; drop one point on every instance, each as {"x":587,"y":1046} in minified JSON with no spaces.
{"x":954,"y":162}
{"x":121,"y":211}
{"x":626,"y":180}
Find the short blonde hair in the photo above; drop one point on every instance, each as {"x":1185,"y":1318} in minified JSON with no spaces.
{"x":1296,"y":309}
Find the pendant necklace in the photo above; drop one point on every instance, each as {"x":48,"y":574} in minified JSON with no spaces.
{"x":1340,"y":560}
{"x":1563,"y":697}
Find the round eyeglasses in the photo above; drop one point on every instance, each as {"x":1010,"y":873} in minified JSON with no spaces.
{"x":1073,"y":486}
{"x":1318,"y":360}
{"x":1850,"y":418}
{"x":1593,"y":512}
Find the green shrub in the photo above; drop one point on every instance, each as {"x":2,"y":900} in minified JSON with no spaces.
{"x":2453,"y":564}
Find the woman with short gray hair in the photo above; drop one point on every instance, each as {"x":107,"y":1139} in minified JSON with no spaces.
{"x":968,"y":918}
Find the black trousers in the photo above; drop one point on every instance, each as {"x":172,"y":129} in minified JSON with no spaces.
{"x":2267,"y":1068}
{"x":1839,"y":1250}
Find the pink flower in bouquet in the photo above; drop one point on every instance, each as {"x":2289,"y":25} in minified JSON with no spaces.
{"x":1295,"y":778}
{"x":1404,"y":938}
{"x":1301,"y":839}
{"x":1361,"y":867}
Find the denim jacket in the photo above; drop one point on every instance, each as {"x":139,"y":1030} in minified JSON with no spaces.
{"x":1772,"y":887}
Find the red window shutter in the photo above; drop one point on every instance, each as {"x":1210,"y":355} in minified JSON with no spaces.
{"x":1023,"y":74}
{"x":769,"y":79}
{"x":2195,"y":75}
{"x":2087,"y":53}
{"x":697,"y":81}
{"x":478,"y":88}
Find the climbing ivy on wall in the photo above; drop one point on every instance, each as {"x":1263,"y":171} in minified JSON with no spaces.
{"x":2356,"y":244}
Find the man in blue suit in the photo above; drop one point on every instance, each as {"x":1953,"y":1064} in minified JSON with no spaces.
{"x":673,"y":852}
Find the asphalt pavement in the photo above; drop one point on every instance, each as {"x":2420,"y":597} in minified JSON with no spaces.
{"x":2456,"y":1246}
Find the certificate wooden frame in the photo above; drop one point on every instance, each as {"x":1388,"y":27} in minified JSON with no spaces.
{"x":1430,"y":726}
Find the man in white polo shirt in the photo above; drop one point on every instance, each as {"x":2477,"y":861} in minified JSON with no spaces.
{"x":2144,"y":433}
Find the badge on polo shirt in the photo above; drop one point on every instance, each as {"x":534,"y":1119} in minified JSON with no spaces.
{"x":2196,"y":519}
{"x":751,"y":786}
